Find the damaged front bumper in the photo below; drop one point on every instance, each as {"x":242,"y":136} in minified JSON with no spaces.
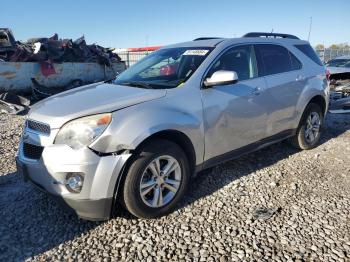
{"x":50,"y":169}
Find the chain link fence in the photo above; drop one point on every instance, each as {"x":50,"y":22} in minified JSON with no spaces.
{"x":131,"y":58}
{"x":331,"y":53}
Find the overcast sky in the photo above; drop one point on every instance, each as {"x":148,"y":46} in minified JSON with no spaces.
{"x":135,"y":23}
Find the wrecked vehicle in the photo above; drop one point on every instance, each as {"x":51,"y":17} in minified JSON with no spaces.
{"x":139,"y":139}
{"x":339,"y":68}
{"x":340,"y":96}
{"x":13,"y":104}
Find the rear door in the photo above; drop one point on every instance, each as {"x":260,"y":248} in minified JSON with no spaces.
{"x":285,"y":82}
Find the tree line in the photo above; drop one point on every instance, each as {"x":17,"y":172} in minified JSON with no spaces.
{"x":333,"y":46}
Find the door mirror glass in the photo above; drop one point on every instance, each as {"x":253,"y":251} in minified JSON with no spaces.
{"x":221,"y":77}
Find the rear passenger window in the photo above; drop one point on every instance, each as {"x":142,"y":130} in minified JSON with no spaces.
{"x":310,"y":52}
{"x":274,"y":59}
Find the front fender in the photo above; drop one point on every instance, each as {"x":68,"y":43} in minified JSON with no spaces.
{"x":131,"y":126}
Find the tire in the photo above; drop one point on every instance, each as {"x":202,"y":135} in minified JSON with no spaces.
{"x":303,"y":139}
{"x":143,"y":175}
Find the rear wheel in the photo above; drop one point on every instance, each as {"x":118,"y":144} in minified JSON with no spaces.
{"x":309,"y":131}
{"x":156,"y":180}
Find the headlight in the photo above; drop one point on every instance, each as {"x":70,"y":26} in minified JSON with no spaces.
{"x":83,"y":131}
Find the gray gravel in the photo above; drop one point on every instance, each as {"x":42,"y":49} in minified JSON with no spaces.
{"x":276,"y":204}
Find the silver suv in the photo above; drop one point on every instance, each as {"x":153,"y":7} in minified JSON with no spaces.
{"x":184,"y":108}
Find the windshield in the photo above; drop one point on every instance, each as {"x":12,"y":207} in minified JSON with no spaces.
{"x":339,"y":63}
{"x":165,"y":68}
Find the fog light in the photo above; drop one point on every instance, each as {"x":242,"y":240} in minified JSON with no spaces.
{"x":74,"y":182}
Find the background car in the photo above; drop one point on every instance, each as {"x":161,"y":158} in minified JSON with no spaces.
{"x":339,"y":65}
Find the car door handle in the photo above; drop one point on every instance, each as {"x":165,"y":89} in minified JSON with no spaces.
{"x":256,"y":91}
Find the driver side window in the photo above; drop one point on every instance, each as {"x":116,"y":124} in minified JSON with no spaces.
{"x":240,"y":59}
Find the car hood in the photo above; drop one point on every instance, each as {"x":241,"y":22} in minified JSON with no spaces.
{"x":88,"y":100}
{"x":337,"y":70}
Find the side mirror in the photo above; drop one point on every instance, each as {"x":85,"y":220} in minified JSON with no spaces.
{"x":221,"y":77}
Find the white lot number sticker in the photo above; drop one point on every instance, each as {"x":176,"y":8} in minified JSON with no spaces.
{"x":200,"y":52}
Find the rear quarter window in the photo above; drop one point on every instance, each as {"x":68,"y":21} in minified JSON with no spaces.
{"x":296,"y":64}
{"x":310,"y":53}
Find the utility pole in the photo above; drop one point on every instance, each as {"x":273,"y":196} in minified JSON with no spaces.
{"x":308,"y":38}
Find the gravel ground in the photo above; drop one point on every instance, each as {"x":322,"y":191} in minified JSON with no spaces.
{"x":276,"y":204}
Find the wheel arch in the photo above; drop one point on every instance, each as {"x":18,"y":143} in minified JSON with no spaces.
{"x":178,"y":138}
{"x":299,"y":140}
{"x":319,"y":100}
{"x":174,"y":136}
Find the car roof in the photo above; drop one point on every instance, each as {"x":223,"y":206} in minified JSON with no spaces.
{"x":200,"y":43}
{"x":212,"y":42}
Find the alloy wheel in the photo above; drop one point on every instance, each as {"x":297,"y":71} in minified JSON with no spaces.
{"x":312,"y":128}
{"x":160,"y":181}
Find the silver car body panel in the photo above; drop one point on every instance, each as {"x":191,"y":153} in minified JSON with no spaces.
{"x":238,"y":120}
{"x":89,"y":100}
{"x":134,"y":124}
{"x":216,"y":120}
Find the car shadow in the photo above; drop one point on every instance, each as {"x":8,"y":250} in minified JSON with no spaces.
{"x":209,"y":181}
{"x":26,"y":213}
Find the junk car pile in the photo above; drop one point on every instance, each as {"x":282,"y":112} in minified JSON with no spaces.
{"x":46,"y":66}
{"x":53,"y":49}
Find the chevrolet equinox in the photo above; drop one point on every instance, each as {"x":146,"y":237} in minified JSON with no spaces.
{"x":139,"y":138}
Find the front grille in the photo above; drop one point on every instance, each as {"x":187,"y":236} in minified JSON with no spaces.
{"x":37,"y":126}
{"x":32,"y":151}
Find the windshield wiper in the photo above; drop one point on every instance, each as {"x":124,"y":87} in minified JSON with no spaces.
{"x":137,"y":84}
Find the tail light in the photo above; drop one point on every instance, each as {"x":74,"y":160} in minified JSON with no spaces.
{"x":328,"y":74}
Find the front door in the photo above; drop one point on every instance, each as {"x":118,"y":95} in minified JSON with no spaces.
{"x":235,"y":115}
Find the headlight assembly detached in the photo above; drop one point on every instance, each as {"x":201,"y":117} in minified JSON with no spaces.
{"x":83,"y":131}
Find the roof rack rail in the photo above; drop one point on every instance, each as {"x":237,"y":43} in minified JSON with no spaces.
{"x":274,"y":35}
{"x":206,"y":38}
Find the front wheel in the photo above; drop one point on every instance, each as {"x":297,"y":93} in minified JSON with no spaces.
{"x":309,"y":131}
{"x":156,"y":180}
